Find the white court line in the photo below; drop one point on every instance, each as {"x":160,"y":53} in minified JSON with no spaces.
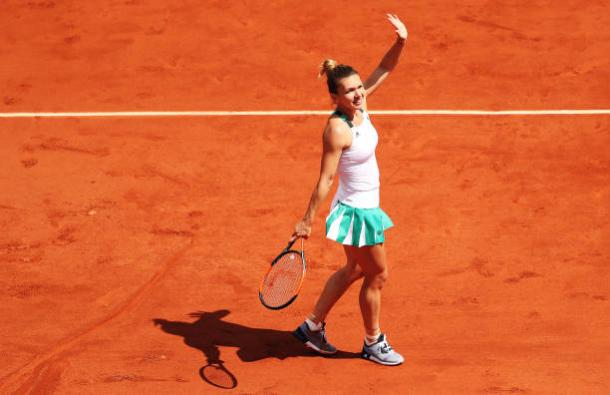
{"x":297,"y":112}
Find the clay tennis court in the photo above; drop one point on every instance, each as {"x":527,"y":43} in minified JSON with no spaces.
{"x":132,"y":247}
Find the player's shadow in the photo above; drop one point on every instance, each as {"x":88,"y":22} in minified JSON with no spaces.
{"x":209,"y":331}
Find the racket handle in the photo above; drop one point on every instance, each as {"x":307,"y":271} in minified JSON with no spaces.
{"x":290,"y":243}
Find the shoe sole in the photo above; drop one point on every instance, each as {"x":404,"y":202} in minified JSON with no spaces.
{"x":370,"y":357}
{"x":298,"y":333}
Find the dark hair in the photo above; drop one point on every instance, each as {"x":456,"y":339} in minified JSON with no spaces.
{"x":335,"y":72}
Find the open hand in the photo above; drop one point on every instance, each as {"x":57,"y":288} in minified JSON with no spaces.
{"x":401,"y":29}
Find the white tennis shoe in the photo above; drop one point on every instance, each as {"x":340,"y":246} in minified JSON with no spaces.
{"x":381,"y":352}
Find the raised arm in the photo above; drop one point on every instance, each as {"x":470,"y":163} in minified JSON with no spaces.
{"x":390,"y":59}
{"x":336,"y":137}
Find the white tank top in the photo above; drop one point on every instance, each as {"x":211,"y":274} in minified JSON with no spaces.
{"x":358,"y":171}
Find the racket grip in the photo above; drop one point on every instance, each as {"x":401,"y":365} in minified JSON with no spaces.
{"x":290,"y":243}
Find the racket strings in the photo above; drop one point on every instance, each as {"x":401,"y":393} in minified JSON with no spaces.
{"x":283,"y":280}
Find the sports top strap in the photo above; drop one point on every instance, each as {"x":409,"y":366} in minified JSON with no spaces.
{"x":344,"y":117}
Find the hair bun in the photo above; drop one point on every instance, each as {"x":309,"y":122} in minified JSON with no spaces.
{"x":327,"y":67}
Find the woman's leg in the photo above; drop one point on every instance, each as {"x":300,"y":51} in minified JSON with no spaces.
{"x":312,"y":332}
{"x":336,"y":285}
{"x":372,"y":261}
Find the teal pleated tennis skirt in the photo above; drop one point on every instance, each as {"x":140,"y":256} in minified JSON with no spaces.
{"x":357,"y":226}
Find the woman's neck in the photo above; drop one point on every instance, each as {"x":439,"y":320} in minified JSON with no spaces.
{"x":349,"y":113}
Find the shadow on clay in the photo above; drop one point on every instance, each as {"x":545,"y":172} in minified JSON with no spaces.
{"x":209,"y":332}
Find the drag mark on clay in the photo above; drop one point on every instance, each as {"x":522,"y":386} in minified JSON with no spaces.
{"x":171,"y":232}
{"x":54,"y":144}
{"x":522,"y":276}
{"x":586,"y":295}
{"x":504,"y":390}
{"x":137,"y":378}
{"x":36,"y":373}
{"x":47,"y":374}
{"x":494,"y":26}
{"x":150,"y":171}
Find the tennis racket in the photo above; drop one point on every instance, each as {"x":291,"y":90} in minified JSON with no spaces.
{"x":283,"y":280}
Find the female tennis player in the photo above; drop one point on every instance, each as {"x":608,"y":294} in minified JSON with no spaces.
{"x":355,"y":219}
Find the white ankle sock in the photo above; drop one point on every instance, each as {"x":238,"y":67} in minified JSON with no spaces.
{"x":369,"y":340}
{"x":312,"y":325}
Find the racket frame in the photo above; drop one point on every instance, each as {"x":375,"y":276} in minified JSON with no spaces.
{"x":286,"y":250}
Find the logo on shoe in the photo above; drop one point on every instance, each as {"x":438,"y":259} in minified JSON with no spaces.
{"x":385,"y":348}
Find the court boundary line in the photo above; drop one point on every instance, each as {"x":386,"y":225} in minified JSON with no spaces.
{"x":264,"y":113}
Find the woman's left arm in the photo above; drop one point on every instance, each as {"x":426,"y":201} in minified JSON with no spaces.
{"x":390,"y":59}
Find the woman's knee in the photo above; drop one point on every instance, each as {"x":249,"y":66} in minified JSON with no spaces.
{"x":352,"y":272}
{"x":355,"y":273}
{"x":352,"y":269}
{"x":374,"y":263}
{"x":377,"y":279}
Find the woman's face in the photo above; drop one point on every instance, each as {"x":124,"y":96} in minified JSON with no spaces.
{"x":350,"y":93}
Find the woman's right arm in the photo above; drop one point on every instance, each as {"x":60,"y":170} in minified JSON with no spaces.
{"x":390,"y":59}
{"x":336,"y":137}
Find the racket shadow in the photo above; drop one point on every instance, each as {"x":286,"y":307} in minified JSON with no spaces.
{"x":209,"y":331}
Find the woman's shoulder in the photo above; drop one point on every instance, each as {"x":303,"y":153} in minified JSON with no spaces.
{"x":337,"y":124}
{"x":337,"y":131}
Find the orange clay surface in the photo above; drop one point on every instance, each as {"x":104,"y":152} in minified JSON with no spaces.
{"x":131,"y":249}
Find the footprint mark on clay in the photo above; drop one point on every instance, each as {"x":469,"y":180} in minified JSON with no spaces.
{"x":466,"y":301}
{"x":65,"y":237}
{"x":24,"y":291}
{"x":533,"y":315}
{"x":72,"y":39}
{"x":482,"y":267}
{"x":41,"y":4}
{"x":10,"y":100}
{"x":154,"y":30}
{"x":27,"y":163}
